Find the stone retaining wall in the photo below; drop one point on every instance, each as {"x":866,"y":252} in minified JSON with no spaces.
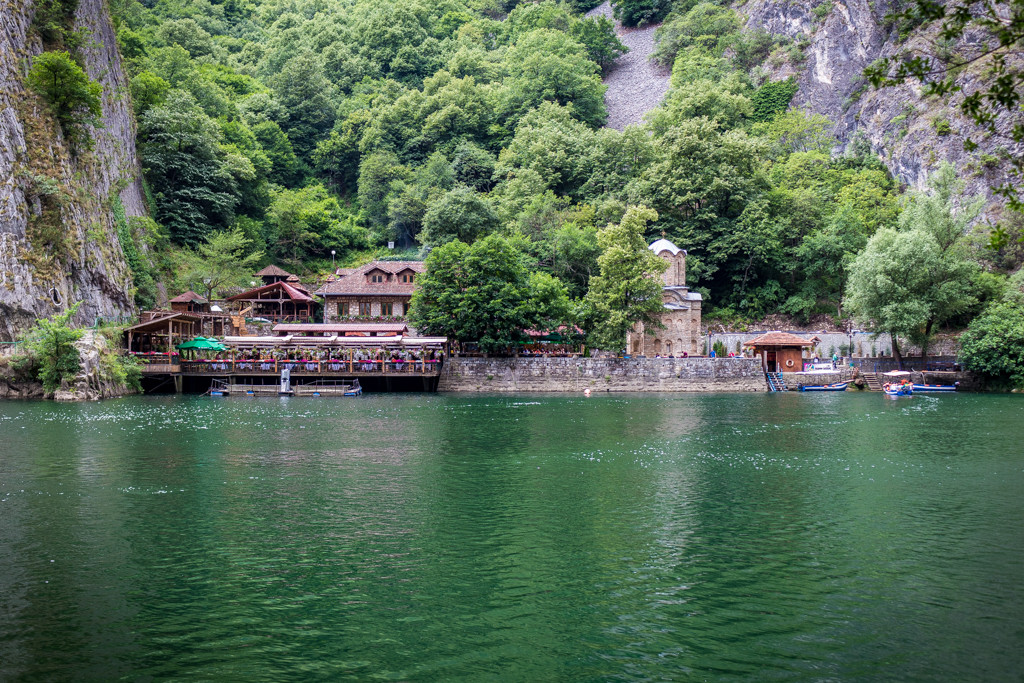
{"x":795,"y":380}
{"x":602,"y":374}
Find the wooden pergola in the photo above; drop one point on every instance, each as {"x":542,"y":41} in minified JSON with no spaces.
{"x":276,"y":301}
{"x":161,"y":331}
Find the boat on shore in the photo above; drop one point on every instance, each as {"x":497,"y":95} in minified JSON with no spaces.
{"x":837,"y":386}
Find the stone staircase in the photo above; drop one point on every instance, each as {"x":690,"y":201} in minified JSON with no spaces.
{"x":872,"y":379}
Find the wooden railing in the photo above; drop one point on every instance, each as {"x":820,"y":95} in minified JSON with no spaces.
{"x":312,"y":367}
{"x":158,"y":363}
{"x":156,"y":358}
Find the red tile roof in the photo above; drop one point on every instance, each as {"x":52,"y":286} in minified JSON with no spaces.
{"x":778,"y":339}
{"x":287,"y":290}
{"x":355,"y":281}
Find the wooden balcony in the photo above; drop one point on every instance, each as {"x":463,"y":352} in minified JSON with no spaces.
{"x":336,"y":368}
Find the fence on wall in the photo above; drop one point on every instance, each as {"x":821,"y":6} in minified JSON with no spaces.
{"x":862,"y":344}
{"x":911,"y":363}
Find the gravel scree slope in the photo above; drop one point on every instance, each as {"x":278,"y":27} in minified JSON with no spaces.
{"x":636,"y":85}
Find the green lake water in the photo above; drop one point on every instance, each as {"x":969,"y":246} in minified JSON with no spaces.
{"x":425,"y":537}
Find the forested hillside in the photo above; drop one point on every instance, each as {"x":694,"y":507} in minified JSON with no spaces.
{"x":294,"y":130}
{"x":309,"y":127}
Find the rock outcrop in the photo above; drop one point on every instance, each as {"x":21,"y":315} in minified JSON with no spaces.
{"x":911,"y":133}
{"x":58,"y":235}
{"x":101,"y":374}
{"x":13,"y":388}
{"x":95,"y":379}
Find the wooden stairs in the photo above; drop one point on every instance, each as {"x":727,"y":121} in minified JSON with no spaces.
{"x":872,"y":379}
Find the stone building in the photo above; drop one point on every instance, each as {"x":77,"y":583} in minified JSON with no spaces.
{"x":380,"y":289}
{"x":681,"y":316}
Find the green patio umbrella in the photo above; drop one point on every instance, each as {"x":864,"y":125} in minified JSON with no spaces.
{"x":202,"y":344}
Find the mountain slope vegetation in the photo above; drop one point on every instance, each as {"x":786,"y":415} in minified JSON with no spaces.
{"x":310,"y":128}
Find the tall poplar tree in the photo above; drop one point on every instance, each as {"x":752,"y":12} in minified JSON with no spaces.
{"x":628,"y":289}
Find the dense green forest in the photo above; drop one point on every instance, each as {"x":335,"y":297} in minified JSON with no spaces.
{"x":283,"y":130}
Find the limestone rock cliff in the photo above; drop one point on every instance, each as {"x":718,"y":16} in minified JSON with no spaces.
{"x":58,"y":235}
{"x":912,"y":134}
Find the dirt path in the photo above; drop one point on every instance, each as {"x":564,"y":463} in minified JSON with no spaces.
{"x":635,"y":84}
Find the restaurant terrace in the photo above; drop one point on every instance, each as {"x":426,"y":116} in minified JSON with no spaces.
{"x":307,"y":358}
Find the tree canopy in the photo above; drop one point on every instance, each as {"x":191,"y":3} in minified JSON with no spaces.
{"x":312,"y":127}
{"x":485,"y":293}
{"x":993,"y":345}
{"x":627,"y":289}
{"x":73,"y":98}
{"x":51,"y":345}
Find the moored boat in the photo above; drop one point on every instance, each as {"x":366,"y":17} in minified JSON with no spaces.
{"x":897,"y":383}
{"x":936,"y":387}
{"x":837,"y":386}
{"x":898,"y":389}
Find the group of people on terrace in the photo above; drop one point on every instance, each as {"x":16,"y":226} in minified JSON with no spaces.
{"x":301,"y":355}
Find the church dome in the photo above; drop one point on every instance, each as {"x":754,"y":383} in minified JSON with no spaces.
{"x":664,"y":245}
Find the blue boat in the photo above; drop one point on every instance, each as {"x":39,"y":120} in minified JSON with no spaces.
{"x":838,"y":386}
{"x":936,"y":387}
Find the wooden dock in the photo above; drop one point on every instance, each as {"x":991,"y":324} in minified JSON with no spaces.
{"x":320,"y":388}
{"x":262,"y":377}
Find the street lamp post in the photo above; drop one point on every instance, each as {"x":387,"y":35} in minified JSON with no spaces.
{"x":332,"y":259}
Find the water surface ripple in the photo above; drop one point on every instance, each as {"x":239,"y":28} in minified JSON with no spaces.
{"x":522,"y":538}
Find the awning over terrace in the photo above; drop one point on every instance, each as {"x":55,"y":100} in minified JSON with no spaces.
{"x":294,"y":341}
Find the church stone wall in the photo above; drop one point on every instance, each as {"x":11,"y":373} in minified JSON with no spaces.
{"x":680,"y":317}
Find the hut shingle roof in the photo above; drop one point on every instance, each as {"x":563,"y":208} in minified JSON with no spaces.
{"x":273,"y":271}
{"x":189,"y":297}
{"x":778,"y":339}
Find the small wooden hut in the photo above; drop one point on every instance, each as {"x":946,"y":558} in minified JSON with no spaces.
{"x":780,"y":351}
{"x":272,"y":274}
{"x":190,"y":302}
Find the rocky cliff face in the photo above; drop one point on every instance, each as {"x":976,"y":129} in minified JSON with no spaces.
{"x":912,"y":134}
{"x":97,"y":377}
{"x":58,"y":235}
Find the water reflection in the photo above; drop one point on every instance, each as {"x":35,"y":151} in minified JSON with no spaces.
{"x":526,"y":537}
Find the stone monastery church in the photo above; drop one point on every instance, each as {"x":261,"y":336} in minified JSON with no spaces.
{"x":681,"y":316}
